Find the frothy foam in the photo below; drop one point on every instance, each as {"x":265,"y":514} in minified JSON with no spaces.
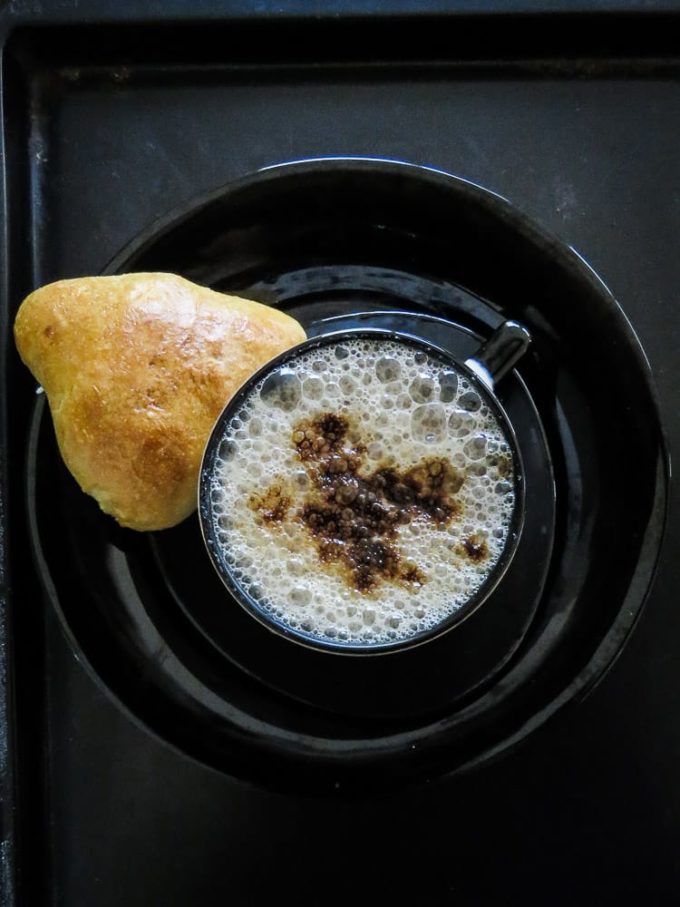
{"x":400,"y":410}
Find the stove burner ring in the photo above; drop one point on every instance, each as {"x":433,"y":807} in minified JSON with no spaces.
{"x":399,"y":242}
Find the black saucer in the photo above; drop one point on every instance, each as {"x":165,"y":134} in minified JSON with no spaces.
{"x":329,"y":241}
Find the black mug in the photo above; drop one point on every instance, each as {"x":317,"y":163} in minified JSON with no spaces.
{"x":480,"y":373}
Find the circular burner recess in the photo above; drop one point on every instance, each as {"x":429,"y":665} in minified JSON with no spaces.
{"x":355,"y":243}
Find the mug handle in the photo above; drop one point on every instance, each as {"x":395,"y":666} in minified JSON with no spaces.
{"x":494,"y":359}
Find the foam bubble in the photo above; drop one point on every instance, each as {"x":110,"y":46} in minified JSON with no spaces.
{"x":433,"y":412}
{"x":428,"y":423}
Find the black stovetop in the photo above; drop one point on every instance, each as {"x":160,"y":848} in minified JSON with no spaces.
{"x":574,"y":119}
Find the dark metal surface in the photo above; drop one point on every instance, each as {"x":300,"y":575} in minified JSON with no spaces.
{"x":100,"y":11}
{"x":589,"y":810}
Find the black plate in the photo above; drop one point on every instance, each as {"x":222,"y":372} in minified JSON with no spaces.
{"x":327,"y":240}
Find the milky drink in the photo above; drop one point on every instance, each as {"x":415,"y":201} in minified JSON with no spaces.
{"x":363,"y":492}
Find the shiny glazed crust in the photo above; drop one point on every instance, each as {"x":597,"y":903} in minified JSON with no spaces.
{"x":136,"y":369}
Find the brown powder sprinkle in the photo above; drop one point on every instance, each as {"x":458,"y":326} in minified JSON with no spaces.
{"x":353,"y":516}
{"x":474,"y":548}
{"x":272,"y":506}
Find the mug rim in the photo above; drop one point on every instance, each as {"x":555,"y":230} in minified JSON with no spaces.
{"x":309,"y":640}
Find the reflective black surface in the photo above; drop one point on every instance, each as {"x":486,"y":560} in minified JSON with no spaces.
{"x":575,"y":119}
{"x":265,"y":712}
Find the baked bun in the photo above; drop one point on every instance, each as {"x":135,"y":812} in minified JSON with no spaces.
{"x":136,"y":369}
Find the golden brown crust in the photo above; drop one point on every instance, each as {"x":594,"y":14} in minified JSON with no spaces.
{"x":136,"y":369}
